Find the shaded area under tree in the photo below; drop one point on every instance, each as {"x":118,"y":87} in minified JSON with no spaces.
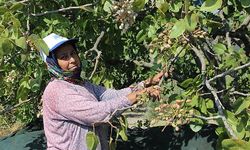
{"x":33,"y":138}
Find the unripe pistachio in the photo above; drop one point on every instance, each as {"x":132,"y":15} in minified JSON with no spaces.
{"x":161,"y":114}
{"x":179,"y":122}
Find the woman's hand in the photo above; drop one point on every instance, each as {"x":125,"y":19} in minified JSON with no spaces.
{"x":153,"y":91}
{"x":156,"y":79}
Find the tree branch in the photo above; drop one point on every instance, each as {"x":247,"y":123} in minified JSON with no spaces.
{"x":94,"y":48}
{"x":218,"y":92}
{"x":240,"y":93}
{"x":208,"y":118}
{"x":169,"y":68}
{"x":8,"y":109}
{"x":229,"y":71}
{"x":218,"y":103}
{"x":109,"y":117}
{"x":220,"y":110}
{"x":114,"y":113}
{"x":201,"y":57}
{"x":84,"y":7}
{"x":143,"y":63}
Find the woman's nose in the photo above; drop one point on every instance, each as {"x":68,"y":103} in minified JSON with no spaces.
{"x":72,"y":59}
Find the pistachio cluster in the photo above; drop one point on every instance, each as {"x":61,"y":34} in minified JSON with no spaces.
{"x":124,"y":14}
{"x":31,"y":45}
{"x":173,"y":114}
{"x":11,"y":76}
{"x":162,"y":41}
{"x":198,"y":33}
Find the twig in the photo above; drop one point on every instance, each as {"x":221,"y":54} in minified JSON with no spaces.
{"x":240,"y":93}
{"x":146,"y":64}
{"x":113,"y":114}
{"x":229,"y":71}
{"x":220,"y":110}
{"x":109,"y":117}
{"x":94,"y":48}
{"x":218,"y":103}
{"x":172,"y":61}
{"x":28,"y":22}
{"x":218,"y":92}
{"x":143,"y":63}
{"x":13,"y":1}
{"x":207,"y":118}
{"x":228,"y":40}
{"x":84,"y":7}
{"x":13,"y":107}
{"x":201,"y":57}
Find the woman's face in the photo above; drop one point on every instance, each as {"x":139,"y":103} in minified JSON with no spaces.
{"x":67,"y":58}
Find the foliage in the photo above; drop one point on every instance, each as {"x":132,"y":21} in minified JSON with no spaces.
{"x":91,"y":140}
{"x":206,"y":42}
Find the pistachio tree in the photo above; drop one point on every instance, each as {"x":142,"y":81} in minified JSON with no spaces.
{"x":203,"y":44}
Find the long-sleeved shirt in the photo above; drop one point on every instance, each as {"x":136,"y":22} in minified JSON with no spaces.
{"x":70,"y":110}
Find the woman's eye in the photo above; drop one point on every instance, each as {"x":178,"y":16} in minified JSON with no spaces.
{"x":63,"y":57}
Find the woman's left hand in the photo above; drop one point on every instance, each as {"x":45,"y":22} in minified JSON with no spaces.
{"x":156,"y":79}
{"x":154,"y":91}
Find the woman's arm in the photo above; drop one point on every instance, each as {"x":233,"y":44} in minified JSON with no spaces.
{"x":106,"y":94}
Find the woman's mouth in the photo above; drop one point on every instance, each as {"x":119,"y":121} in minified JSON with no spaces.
{"x":73,"y":68}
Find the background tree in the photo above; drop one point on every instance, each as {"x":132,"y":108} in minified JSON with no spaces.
{"x":206,"y":42}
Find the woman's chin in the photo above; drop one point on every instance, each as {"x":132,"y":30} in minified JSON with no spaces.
{"x":73,"y":69}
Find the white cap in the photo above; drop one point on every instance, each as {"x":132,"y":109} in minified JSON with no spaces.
{"x":53,"y":41}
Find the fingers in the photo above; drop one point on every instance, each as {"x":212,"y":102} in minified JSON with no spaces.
{"x":154,"y":92}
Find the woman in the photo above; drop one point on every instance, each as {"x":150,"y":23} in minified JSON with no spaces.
{"x":71,"y":106}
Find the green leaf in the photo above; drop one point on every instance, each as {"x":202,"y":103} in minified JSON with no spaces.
{"x":5,"y":46}
{"x":39,"y":44}
{"x":112,"y":144}
{"x":16,"y":6}
{"x":162,"y":6}
{"x":195,"y":101}
{"x":138,"y":5}
{"x":123,"y":134}
{"x":3,"y":9}
{"x":202,"y":106}
{"x":91,"y":140}
{"x":151,"y":31}
{"x":219,"y":48}
{"x":124,"y":125}
{"x":195,"y":127}
{"x":232,"y":120}
{"x":209,"y":104}
{"x":21,"y":42}
{"x":211,"y":5}
{"x":178,"y":29}
{"x":191,"y":21}
{"x":141,"y":36}
{"x":23,"y":90}
{"x":235,"y":144}
{"x":242,"y":104}
{"x":76,"y":2}
{"x":175,"y":5}
{"x":229,"y":79}
{"x":187,"y":83}
{"x":245,"y":3}
{"x":195,"y":123}
{"x":107,"y":7}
